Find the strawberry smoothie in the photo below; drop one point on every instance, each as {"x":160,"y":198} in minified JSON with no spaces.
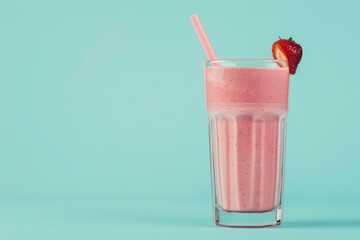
{"x":247,"y":108}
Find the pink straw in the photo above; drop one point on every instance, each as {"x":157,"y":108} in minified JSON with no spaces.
{"x":203,"y":38}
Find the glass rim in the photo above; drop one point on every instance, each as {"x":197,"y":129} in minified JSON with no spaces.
{"x":263,"y":60}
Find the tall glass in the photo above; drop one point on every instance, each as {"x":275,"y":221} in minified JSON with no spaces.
{"x":247,"y":105}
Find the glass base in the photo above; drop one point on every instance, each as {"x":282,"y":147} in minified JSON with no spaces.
{"x":247,"y":219}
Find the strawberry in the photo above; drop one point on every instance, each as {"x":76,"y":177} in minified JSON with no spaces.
{"x":289,"y":51}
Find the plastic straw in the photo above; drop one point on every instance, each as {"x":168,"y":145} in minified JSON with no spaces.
{"x":203,"y":38}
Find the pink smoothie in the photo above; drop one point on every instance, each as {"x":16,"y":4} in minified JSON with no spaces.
{"x":247,"y":110}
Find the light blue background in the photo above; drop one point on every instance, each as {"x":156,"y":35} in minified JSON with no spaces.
{"x":103,"y":129}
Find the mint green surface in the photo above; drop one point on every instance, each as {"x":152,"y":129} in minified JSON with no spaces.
{"x":103,"y":129}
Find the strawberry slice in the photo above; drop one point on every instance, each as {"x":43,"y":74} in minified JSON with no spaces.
{"x":287,"y":50}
